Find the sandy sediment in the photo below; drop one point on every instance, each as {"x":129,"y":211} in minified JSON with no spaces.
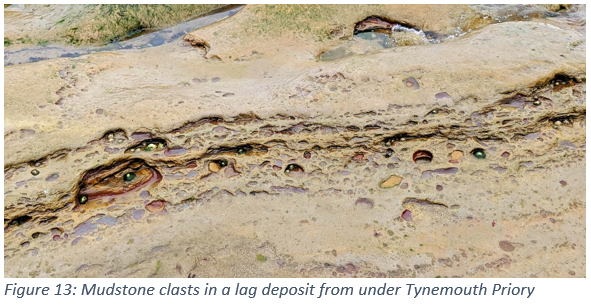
{"x":231,"y":153}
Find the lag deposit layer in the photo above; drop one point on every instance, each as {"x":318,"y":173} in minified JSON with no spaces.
{"x":295,"y":141}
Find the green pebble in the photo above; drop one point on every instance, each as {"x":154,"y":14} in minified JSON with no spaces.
{"x":150,"y":147}
{"x":479,"y":154}
{"x":83,"y":199}
{"x":129,"y":176}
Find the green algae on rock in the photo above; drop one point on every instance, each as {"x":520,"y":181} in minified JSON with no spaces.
{"x":92,"y":24}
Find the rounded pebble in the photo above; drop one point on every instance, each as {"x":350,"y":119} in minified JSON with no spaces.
{"x":406,"y":215}
{"x":83,"y":199}
{"x":390,"y":182}
{"x":213,"y":167}
{"x":456,"y":155}
{"x":52,"y":177}
{"x":129,"y":176}
{"x":479,"y":153}
{"x":156,"y":206}
{"x":150,"y":147}
{"x":389,"y":153}
{"x":506,"y":246}
{"x":411,"y":83}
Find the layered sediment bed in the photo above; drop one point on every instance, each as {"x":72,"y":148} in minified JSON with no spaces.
{"x":463,"y":158}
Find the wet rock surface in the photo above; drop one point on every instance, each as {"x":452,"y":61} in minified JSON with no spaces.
{"x":292,"y":166}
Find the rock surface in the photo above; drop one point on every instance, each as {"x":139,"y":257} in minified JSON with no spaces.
{"x":262,"y":102}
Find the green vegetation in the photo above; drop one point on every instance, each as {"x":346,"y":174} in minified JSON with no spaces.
{"x":25,"y":40}
{"x":158,"y":265}
{"x":261,"y":258}
{"x":317,"y":20}
{"x":103,"y":23}
{"x":111,"y":22}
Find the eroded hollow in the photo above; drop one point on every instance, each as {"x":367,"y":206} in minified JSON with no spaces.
{"x":99,"y":185}
{"x":377,"y":24}
{"x":148,"y":145}
{"x":245,"y":149}
{"x":422,"y":156}
{"x":17,"y":221}
{"x":294,"y":170}
{"x":562,"y":81}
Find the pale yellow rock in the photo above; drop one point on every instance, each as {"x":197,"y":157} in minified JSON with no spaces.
{"x":456,"y":155}
{"x":392,"y":181}
{"x":213,"y":167}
